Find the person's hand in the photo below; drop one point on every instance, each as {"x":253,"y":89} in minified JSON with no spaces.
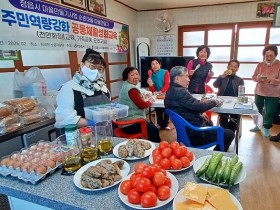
{"x":151,"y":100}
{"x":219,"y":103}
{"x":210,"y":73}
{"x":191,"y":72}
{"x":204,"y":101}
{"x":150,"y":82}
{"x":226,"y":73}
{"x":261,"y":78}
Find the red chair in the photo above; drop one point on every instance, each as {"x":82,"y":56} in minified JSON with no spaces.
{"x":119,"y":132}
{"x":208,"y":89}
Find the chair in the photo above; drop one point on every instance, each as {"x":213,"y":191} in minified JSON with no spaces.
{"x":208,"y":89}
{"x":119,"y":132}
{"x":180,"y":124}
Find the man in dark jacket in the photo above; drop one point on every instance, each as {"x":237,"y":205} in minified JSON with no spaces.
{"x":227,"y":85}
{"x":180,"y":100}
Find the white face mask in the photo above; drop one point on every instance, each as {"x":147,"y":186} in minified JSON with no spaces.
{"x":91,"y":74}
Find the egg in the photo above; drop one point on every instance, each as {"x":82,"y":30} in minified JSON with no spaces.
{"x":59,"y":158}
{"x":4,"y":161}
{"x":40,"y":170}
{"x":15,"y":156}
{"x":24,"y":152}
{"x":35,"y":160}
{"x":10,"y":162}
{"x":50,"y":163}
{"x":31,"y":168}
{"x":45,"y":156}
{"x":33,"y":147}
{"x":17,"y":164}
{"x":37,"y":154}
{"x":24,"y":166}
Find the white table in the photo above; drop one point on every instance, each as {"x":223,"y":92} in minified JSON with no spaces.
{"x":227,"y":107}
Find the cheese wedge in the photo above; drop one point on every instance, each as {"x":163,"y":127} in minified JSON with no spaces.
{"x":221,"y":199}
{"x":192,"y":205}
{"x":195,"y":192}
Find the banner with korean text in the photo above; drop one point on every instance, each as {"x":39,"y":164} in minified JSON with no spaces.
{"x":39,"y":25}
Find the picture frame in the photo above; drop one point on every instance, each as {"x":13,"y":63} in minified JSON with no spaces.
{"x":9,"y":55}
{"x":265,"y":10}
{"x":276,"y":18}
{"x":97,"y":7}
{"x":79,"y":4}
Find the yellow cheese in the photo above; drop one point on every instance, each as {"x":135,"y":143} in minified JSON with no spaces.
{"x":195,"y":192}
{"x":192,"y":205}
{"x":221,"y":199}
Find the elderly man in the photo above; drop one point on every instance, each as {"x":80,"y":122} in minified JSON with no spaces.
{"x":180,"y":100}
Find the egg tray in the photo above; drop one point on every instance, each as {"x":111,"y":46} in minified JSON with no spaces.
{"x":24,"y":175}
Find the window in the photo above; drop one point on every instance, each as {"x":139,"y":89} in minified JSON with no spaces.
{"x":241,"y":41}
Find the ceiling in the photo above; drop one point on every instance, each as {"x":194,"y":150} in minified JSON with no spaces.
{"x":146,"y":5}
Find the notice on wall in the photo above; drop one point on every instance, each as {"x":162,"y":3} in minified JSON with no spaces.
{"x":40,"y":25}
{"x":165,"y":45}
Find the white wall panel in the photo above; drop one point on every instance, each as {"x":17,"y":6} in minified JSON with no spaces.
{"x":116,"y":57}
{"x":115,"y":88}
{"x":56,"y":77}
{"x":116,"y":71}
{"x":7,"y":64}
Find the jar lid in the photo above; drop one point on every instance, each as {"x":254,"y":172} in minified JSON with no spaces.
{"x":71,"y":127}
{"x":85,"y":130}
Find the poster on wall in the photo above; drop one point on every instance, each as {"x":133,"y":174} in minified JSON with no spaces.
{"x":165,"y":45}
{"x":8,"y":55}
{"x":41,"y":25}
{"x":265,"y":10}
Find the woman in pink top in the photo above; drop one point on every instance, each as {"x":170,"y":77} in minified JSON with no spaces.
{"x":267,"y":92}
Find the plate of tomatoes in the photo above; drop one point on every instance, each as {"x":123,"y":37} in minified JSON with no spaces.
{"x":148,"y":187}
{"x":172,"y":156}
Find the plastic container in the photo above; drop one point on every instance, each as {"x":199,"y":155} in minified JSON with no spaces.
{"x":71,"y":133}
{"x":105,"y":112}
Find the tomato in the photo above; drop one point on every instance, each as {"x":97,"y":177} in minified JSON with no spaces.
{"x":157,"y":159}
{"x":143,"y":184}
{"x":165,"y":164}
{"x":134,"y":178}
{"x":163,"y":171}
{"x":185,"y":149}
{"x":176,"y":164}
{"x":159,"y":179}
{"x":125,"y":186}
{"x":168,"y":182}
{"x":190,"y":155}
{"x":172,"y":157}
{"x":148,"y":172}
{"x":149,"y":199}
{"x":163,"y":144}
{"x":156,"y":152}
{"x":166,"y":152}
{"x":179,"y":152}
{"x":153,"y":188}
{"x":139,"y":167}
{"x":134,"y":196}
{"x":156,"y":167}
{"x":173,"y":145}
{"x":163,"y":192}
{"x":185,"y":161}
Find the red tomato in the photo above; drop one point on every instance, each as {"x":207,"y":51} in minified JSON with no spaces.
{"x":134,"y":178}
{"x":165,"y":164}
{"x":176,"y":164}
{"x":185,"y":161}
{"x":163,"y":144}
{"x":143,"y":184}
{"x":190,"y":155}
{"x":157,"y":159}
{"x":173,"y":145}
{"x":185,"y":149}
{"x":139,"y":167}
{"x":153,"y":188}
{"x":166,"y":152}
{"x":156,"y":152}
{"x":149,"y":199}
{"x":148,"y":172}
{"x":134,"y":196}
{"x":163,"y":192}
{"x":172,"y":157}
{"x":179,"y":152}
{"x":163,"y":171}
{"x":168,"y":182}
{"x":159,"y":179}
{"x":126,"y":186}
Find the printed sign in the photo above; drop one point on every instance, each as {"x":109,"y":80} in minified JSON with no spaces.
{"x":38,"y":25}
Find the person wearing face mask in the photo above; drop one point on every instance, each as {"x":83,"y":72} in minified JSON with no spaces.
{"x":158,"y":82}
{"x":200,"y":70}
{"x":267,"y":91}
{"x":87,"y":88}
{"x":133,"y":97}
{"x":227,"y":85}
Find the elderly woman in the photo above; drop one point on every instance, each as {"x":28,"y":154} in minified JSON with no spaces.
{"x":200,"y":70}
{"x":87,"y":88}
{"x":132,"y":96}
{"x":267,"y":91}
{"x":158,"y":82}
{"x":179,"y":99}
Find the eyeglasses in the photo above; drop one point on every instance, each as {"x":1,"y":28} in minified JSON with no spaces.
{"x":99,"y":66}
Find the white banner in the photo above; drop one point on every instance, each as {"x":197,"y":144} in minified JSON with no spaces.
{"x":38,"y":25}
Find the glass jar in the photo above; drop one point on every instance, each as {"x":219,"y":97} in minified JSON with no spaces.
{"x":86,"y":137}
{"x":71,"y":134}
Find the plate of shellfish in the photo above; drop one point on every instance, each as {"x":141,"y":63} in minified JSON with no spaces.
{"x":134,"y":149}
{"x":101,"y":174}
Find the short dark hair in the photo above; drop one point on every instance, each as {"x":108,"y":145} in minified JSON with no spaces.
{"x":272,"y":48}
{"x":126,"y":72}
{"x":93,"y":56}
{"x":234,"y":61}
{"x":156,"y":59}
{"x":201,"y":48}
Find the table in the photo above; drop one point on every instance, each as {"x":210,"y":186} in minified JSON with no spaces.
{"x":227,"y":107}
{"x":59,"y":192}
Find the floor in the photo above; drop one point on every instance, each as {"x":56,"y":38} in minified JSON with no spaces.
{"x":260,"y":156}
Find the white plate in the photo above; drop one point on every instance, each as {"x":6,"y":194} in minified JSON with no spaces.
{"x":77,"y":177}
{"x":147,"y":152}
{"x":181,"y":198}
{"x":171,"y":170}
{"x":199,"y":162}
{"x":173,"y":192}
